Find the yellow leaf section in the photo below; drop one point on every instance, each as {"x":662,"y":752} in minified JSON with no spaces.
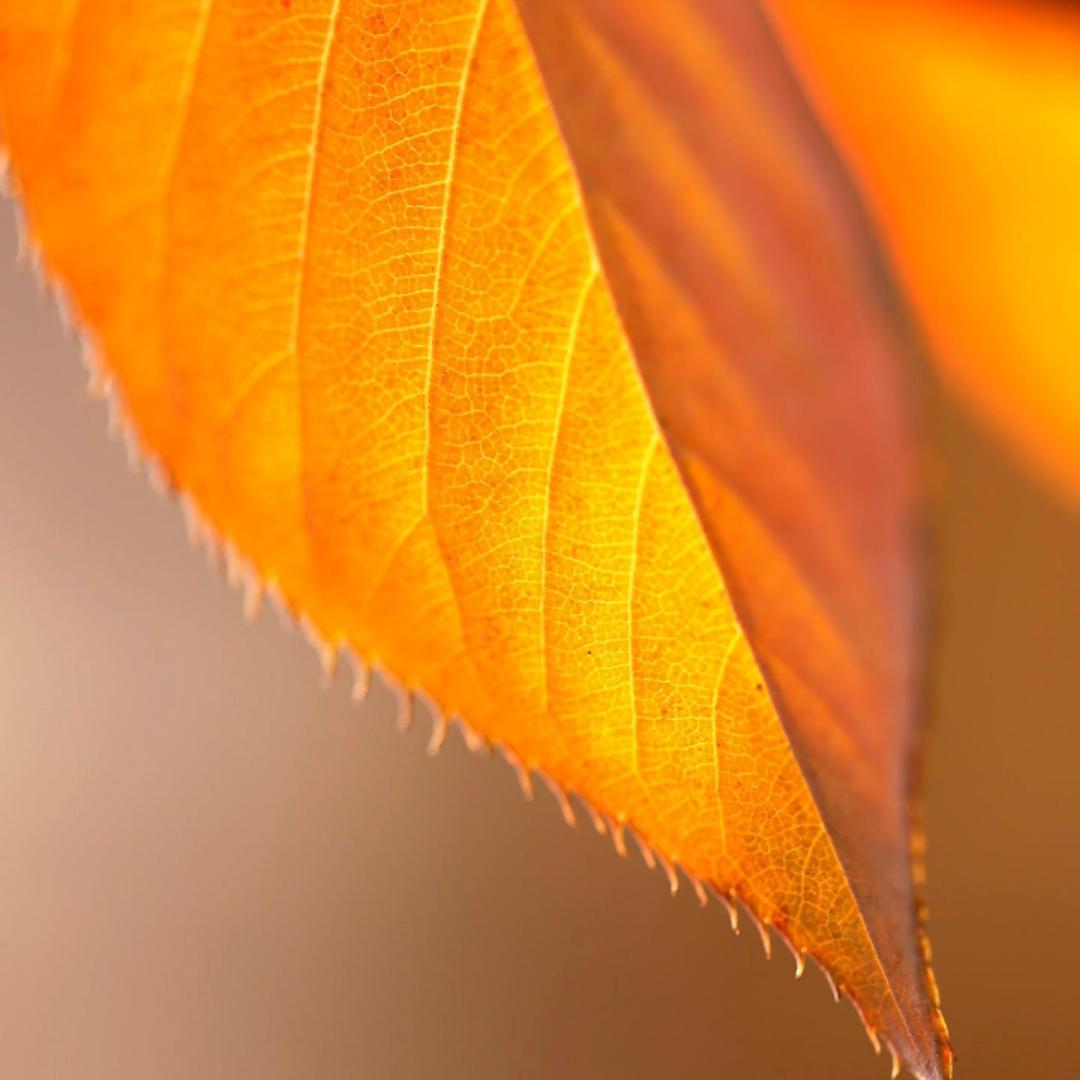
{"x":334,"y":255}
{"x":765,"y":331}
{"x":960,"y":119}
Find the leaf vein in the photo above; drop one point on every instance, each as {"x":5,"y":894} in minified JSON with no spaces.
{"x":560,"y":413}
{"x":631,"y":587}
{"x":440,"y":265}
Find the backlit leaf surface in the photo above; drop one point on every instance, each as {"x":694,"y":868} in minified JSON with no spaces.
{"x":386,"y":288}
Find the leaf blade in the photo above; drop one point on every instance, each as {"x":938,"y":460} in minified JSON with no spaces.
{"x":412,"y":412}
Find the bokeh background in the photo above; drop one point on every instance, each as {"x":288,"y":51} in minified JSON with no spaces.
{"x":211,"y":867}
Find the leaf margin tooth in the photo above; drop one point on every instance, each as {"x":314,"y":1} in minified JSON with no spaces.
{"x":439,"y":728}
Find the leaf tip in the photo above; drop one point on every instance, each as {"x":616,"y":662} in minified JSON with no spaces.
{"x":253,"y":597}
{"x":286,"y":615}
{"x":438,"y":733}
{"x":762,"y":929}
{"x":406,"y":710}
{"x":798,"y":955}
{"x":871,"y":1033}
{"x":670,"y":872}
{"x":475,"y":742}
{"x":599,"y":824}
{"x":618,"y":836}
{"x":361,"y":682}
{"x":563,"y":800}
{"x":894,"y":1070}
{"x":324,"y":650}
{"x":521,"y":771}
{"x":97,"y":385}
{"x":699,"y":892}
{"x":833,"y":988}
{"x":646,"y":852}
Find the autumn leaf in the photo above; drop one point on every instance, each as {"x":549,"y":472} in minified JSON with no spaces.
{"x":540,"y":356}
{"x":960,"y":119}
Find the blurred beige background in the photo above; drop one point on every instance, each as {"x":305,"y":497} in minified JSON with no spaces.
{"x":210,"y":867}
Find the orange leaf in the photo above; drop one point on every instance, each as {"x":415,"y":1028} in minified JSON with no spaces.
{"x":960,"y":119}
{"x":377,"y":315}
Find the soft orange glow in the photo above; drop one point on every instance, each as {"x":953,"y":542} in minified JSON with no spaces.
{"x":961,"y":120}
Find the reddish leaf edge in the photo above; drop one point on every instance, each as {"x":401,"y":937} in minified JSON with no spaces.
{"x":242,"y":575}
